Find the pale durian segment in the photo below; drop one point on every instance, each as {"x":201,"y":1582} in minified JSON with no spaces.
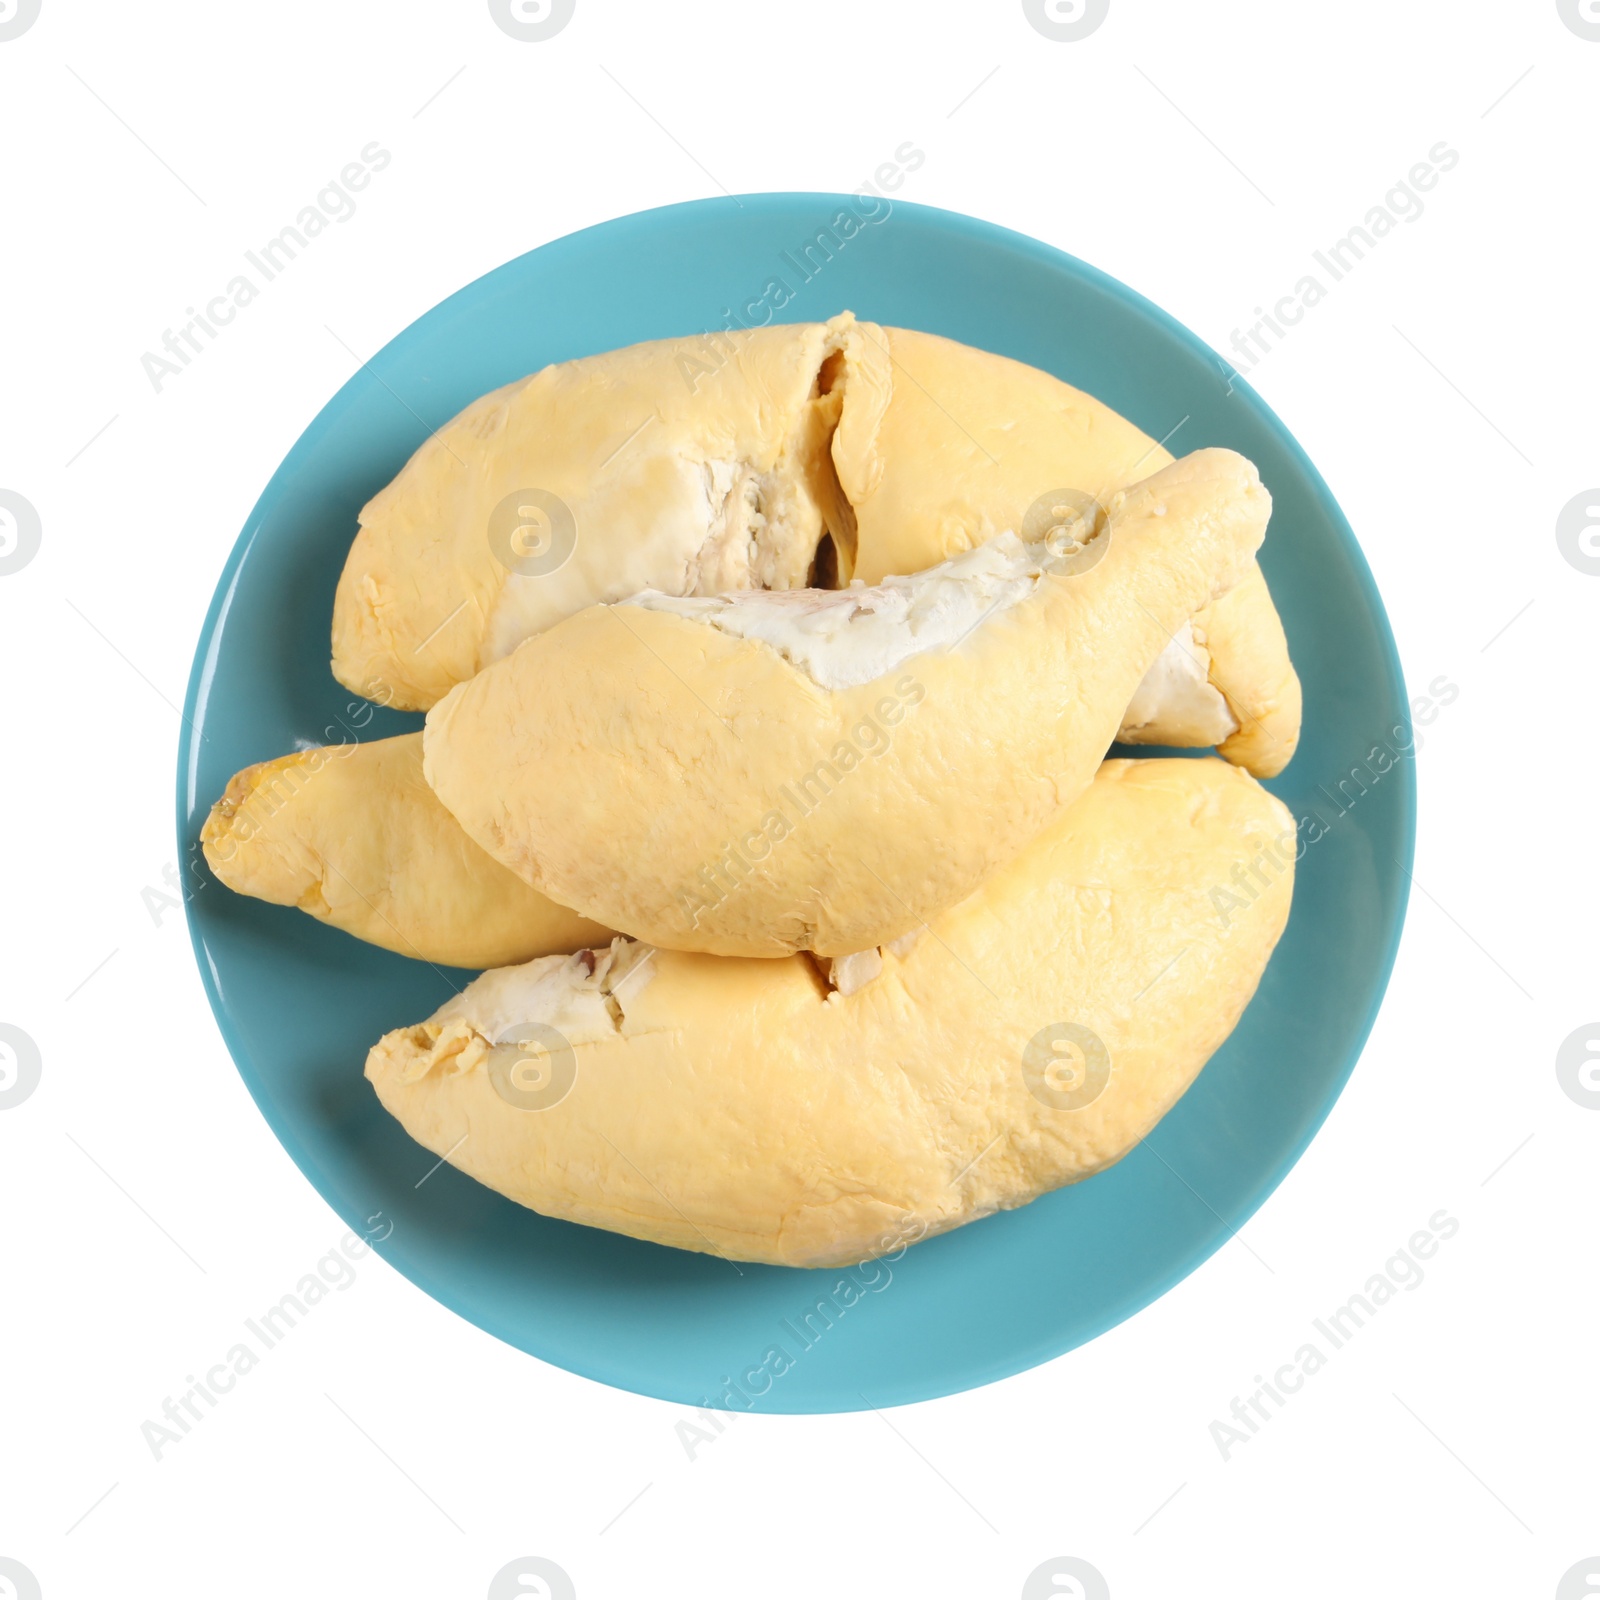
{"x":764,"y":458}
{"x":1245,"y":637}
{"x":353,"y":835}
{"x":743,"y":1109}
{"x":971,"y":440}
{"x":843,"y":638}
{"x":701,"y":790}
{"x":1176,"y":703}
{"x":1251,"y":715}
{"x":849,"y":973}
{"x":688,"y":465}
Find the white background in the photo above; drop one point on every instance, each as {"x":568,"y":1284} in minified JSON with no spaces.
{"x":1446,"y":390}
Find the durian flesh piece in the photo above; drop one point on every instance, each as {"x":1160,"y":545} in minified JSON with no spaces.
{"x":354,"y":836}
{"x":1037,"y":1032}
{"x":971,"y":442}
{"x":763,"y":774}
{"x":687,"y":465}
{"x":1245,"y":634}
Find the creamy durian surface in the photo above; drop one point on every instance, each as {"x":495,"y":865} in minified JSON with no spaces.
{"x":747,"y":1109}
{"x":825,"y":772}
{"x":971,"y":443}
{"x":352,"y":835}
{"x":773,"y":458}
{"x":647,"y":467}
{"x":843,"y":638}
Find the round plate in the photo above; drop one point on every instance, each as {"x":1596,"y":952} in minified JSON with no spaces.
{"x":299,"y":1003}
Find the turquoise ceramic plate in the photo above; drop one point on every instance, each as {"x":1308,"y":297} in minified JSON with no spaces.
{"x":299,"y":1004}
